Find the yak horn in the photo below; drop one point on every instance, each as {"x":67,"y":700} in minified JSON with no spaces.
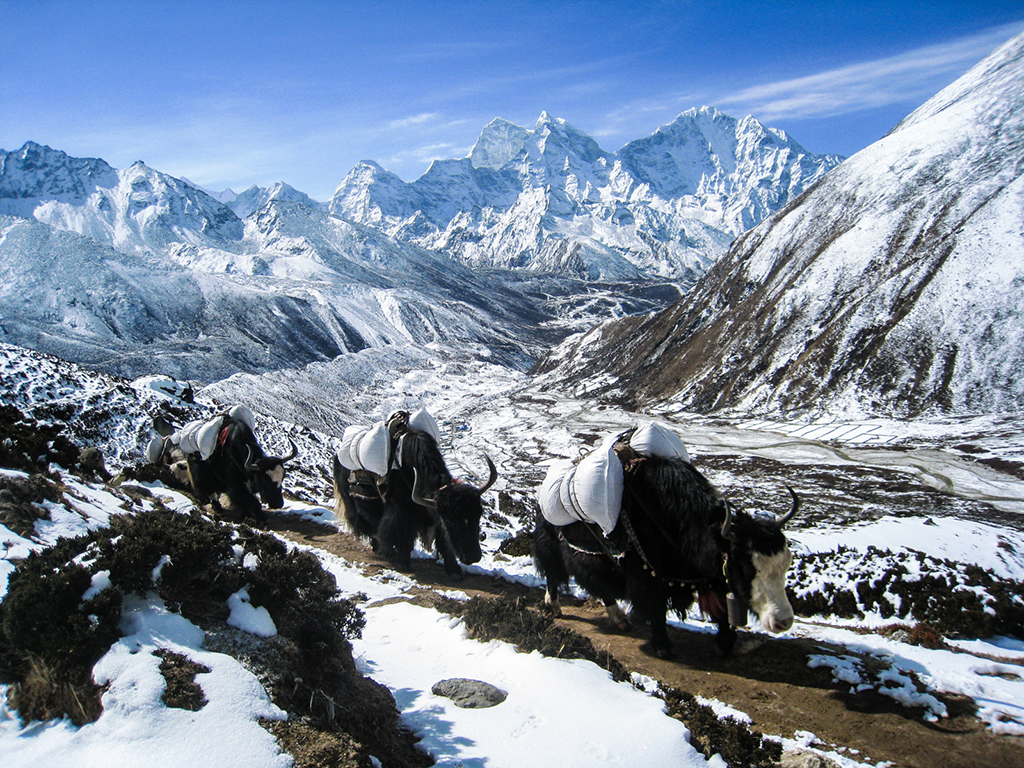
{"x":493,"y":474}
{"x":727,"y":525}
{"x":294,"y":452}
{"x":796,"y":505}
{"x":417,"y":492}
{"x":248,"y":460}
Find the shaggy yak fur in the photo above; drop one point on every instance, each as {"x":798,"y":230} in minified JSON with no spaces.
{"x":676,"y":540}
{"x":239,"y":469}
{"x":418,"y":498}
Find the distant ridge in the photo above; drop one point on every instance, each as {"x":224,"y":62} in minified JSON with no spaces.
{"x":550,"y":199}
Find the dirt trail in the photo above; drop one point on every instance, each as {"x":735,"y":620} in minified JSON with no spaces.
{"x":772,"y":683}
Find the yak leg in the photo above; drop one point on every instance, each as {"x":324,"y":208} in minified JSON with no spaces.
{"x":551,"y":598}
{"x":659,"y":636}
{"x":550,"y":562}
{"x":397,"y":535}
{"x":444,"y":546}
{"x":617,"y":616}
{"x":649,"y":598}
{"x":725,"y":639}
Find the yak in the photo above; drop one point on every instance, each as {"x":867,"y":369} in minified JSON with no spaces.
{"x":239,"y":469}
{"x":676,"y":540}
{"x":417,"y":499}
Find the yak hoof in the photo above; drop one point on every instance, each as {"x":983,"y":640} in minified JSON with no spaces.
{"x":551,"y":605}
{"x":618,"y":618}
{"x":748,"y":644}
{"x":666,"y":652}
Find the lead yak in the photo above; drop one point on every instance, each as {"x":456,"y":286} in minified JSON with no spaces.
{"x":676,"y":540}
{"x":418,"y":498}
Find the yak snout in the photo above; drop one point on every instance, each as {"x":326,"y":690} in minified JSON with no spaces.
{"x":768,"y":590}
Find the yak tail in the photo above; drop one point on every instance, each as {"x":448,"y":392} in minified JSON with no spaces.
{"x":338,"y":474}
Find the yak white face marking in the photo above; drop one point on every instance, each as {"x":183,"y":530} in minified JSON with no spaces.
{"x":768,"y":591}
{"x":276,"y":474}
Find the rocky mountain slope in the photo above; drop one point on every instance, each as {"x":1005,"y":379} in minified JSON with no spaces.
{"x":550,"y":199}
{"x":893,"y":287}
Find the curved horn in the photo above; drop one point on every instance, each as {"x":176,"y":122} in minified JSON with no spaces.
{"x":796,"y":505}
{"x":493,"y":474}
{"x":417,"y":492}
{"x":248,"y":460}
{"x":294,"y":452}
{"x":727,"y":525}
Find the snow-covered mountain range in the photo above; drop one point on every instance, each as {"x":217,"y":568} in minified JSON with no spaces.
{"x":895,"y":286}
{"x":550,"y":199}
{"x":134,"y":271}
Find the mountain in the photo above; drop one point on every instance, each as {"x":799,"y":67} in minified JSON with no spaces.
{"x":254,"y":198}
{"x":550,"y":199}
{"x":136,"y":209}
{"x":893,"y":287}
{"x":134,"y":271}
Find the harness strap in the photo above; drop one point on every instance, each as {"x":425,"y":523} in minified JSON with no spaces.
{"x":631,"y":461}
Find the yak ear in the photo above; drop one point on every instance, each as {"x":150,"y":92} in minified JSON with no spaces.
{"x":417,"y":492}
{"x":796,"y":506}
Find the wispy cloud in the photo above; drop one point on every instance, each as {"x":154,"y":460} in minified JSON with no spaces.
{"x":868,"y":84}
{"x":420,"y":119}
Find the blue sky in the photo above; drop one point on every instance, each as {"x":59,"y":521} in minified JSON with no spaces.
{"x":230,"y":94}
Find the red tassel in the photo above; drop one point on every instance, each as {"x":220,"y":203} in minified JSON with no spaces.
{"x":712,"y":605}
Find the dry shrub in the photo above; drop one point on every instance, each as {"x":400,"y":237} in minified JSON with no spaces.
{"x":710,"y":735}
{"x":21,"y":502}
{"x":31,"y":446}
{"x":179,"y":673}
{"x":50,"y":638}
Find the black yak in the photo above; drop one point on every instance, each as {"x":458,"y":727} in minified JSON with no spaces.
{"x":239,"y":469}
{"x":676,"y":540}
{"x":417,"y":499}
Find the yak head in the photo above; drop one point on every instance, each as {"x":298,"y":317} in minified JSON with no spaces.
{"x":266,"y":474}
{"x":457,"y":509}
{"x":759,"y":558}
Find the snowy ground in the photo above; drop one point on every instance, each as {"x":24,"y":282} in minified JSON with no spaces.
{"x":410,"y":648}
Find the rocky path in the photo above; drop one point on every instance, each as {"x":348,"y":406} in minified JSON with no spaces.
{"x":771,"y":683}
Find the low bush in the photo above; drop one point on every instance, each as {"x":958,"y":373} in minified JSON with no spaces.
{"x":50,"y":638}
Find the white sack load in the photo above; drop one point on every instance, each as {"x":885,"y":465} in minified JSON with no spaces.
{"x":199,"y":437}
{"x":366,"y":448}
{"x":656,"y":439}
{"x":421,"y":419}
{"x":155,"y":449}
{"x":590,"y":491}
{"x":244,"y":415}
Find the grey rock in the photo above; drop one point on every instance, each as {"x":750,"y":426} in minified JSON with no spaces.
{"x":805,"y":758}
{"x":469,"y":694}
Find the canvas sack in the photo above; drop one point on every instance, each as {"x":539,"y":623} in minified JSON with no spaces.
{"x":366,"y":448}
{"x":199,"y":437}
{"x":655,"y":439}
{"x":421,"y":419}
{"x":590,"y":491}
